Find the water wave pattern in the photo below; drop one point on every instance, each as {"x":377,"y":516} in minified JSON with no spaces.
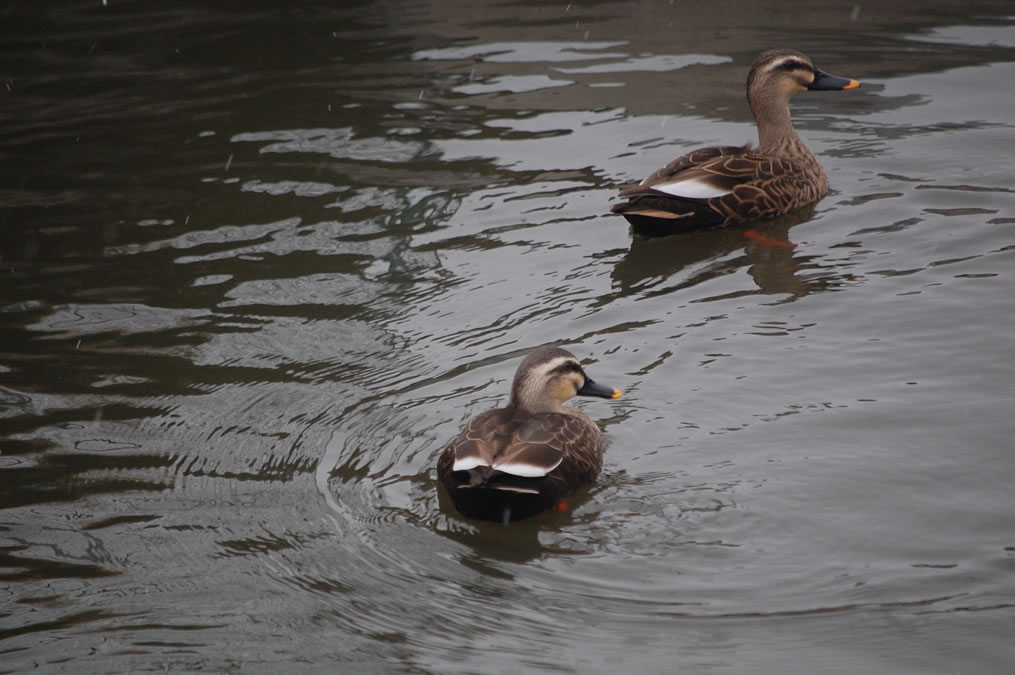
{"x":231,"y":355}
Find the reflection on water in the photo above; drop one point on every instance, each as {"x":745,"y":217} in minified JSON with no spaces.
{"x":764,"y":249}
{"x":259,"y":268}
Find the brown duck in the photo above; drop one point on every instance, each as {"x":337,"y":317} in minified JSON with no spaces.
{"x":514,"y":462}
{"x":723,"y":185}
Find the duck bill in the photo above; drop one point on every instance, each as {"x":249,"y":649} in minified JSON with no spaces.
{"x":824,"y":81}
{"x":593,"y":389}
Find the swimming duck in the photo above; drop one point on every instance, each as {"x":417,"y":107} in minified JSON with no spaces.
{"x":515,"y":462}
{"x":722,"y":185}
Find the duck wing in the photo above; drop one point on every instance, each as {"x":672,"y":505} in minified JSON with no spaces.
{"x":544,"y":442}
{"x":677,"y":170}
{"x":716,"y":186}
{"x":531,"y":447}
{"x":479,"y":442}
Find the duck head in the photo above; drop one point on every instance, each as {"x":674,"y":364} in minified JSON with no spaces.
{"x":548,"y":377}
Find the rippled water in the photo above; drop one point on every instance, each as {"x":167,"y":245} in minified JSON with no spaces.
{"x":259,"y":267}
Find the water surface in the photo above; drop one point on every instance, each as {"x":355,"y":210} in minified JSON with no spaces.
{"x":259,"y":267}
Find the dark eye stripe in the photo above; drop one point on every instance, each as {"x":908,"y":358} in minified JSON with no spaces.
{"x":567,"y":367}
{"x":795,"y":65}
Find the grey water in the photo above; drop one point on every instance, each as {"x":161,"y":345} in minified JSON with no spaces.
{"x":259,"y":265}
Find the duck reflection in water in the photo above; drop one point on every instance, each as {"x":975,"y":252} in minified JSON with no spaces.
{"x":775,"y":263}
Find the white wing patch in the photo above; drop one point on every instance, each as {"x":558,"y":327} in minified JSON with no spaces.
{"x":691,"y":189}
{"x":468,"y":463}
{"x":515,"y":488}
{"x":526,"y":470}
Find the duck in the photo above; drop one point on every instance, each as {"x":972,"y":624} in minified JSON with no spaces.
{"x":515,"y":462}
{"x":725,"y":185}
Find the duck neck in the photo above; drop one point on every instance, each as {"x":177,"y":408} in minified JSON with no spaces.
{"x":533,"y":408}
{"x":527,"y":400}
{"x":776,"y":135}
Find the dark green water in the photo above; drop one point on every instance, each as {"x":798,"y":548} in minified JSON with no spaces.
{"x":258,"y":266}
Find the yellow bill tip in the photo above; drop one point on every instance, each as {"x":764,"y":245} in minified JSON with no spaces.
{"x":853,"y":84}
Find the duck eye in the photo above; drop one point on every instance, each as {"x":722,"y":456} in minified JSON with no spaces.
{"x":795,"y":65}
{"x":568,"y":367}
